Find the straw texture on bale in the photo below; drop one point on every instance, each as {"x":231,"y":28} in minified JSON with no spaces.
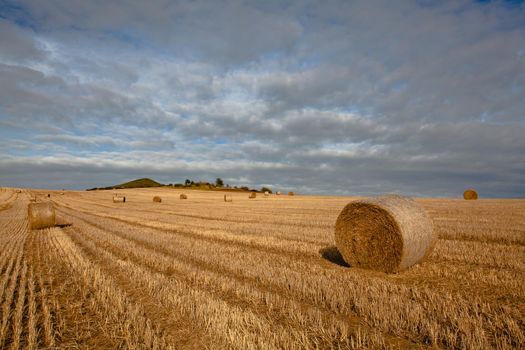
{"x":228,"y":198}
{"x":183,"y":196}
{"x":41,"y":215}
{"x":253,"y":195}
{"x":291,"y":193}
{"x":278,"y":193}
{"x":470,"y":194}
{"x":387,"y":233}
{"x":157,"y":199}
{"x":117,"y":199}
{"x":266,"y":193}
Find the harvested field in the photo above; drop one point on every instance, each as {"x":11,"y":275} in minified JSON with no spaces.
{"x":258,"y":273}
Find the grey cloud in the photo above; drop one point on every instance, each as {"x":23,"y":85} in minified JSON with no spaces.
{"x":18,"y":45}
{"x":228,"y":32}
{"x":29,"y":94}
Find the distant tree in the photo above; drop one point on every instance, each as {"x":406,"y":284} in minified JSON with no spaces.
{"x":266,"y":189}
{"x":219,"y":182}
{"x":187,"y":182}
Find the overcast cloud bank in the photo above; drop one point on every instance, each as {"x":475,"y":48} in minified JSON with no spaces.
{"x":419,"y":97}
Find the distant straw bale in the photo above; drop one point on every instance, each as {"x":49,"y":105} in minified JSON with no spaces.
{"x":41,"y":215}
{"x":252,"y":195}
{"x":157,"y":199}
{"x":183,"y":196}
{"x":228,"y":198}
{"x":291,"y":193}
{"x":387,"y":233}
{"x":278,"y":193}
{"x":470,"y":194}
{"x":119,"y":199}
{"x":266,"y":193}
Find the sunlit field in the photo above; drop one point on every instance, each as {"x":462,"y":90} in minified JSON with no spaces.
{"x":257,"y":273}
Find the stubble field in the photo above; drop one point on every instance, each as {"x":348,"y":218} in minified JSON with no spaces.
{"x":251,"y":274}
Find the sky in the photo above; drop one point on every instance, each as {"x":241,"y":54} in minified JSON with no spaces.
{"x":424,"y":98}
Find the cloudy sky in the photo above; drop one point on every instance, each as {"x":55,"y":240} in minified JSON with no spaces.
{"x":421,"y":97}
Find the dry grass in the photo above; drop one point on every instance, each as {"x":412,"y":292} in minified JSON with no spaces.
{"x":249,"y":275}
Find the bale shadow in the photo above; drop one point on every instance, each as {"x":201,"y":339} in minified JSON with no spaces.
{"x":332,"y":254}
{"x":63,"y":225}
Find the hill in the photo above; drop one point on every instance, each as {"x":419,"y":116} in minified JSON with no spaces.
{"x":139,"y":183}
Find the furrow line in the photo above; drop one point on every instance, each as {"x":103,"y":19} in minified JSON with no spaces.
{"x":306,"y":252}
{"x":265,"y":302}
{"x":121,"y":322}
{"x":17,"y":321}
{"x":230,"y":322}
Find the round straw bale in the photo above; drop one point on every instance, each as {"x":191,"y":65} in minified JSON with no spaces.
{"x":41,"y":215}
{"x":266,"y":193}
{"x":291,"y":193}
{"x":183,"y":196}
{"x":387,"y":233}
{"x":470,"y":194}
{"x":252,"y":195}
{"x":157,"y":199}
{"x":228,"y":198}
{"x":278,"y":193}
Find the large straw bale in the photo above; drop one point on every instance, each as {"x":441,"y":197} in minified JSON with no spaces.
{"x":183,"y":196}
{"x":41,"y":215}
{"x":291,"y":193}
{"x":470,"y":194}
{"x":252,"y":195}
{"x":266,"y":193}
{"x":157,"y":199}
{"x":386,"y":233}
{"x":228,"y":198}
